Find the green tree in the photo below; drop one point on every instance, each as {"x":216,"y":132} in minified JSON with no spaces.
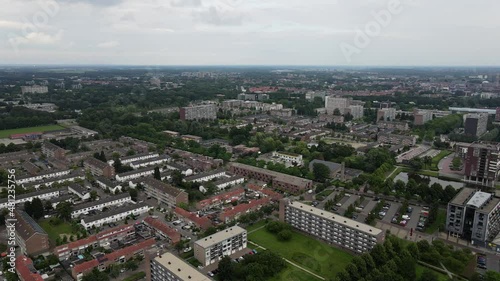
{"x":64,"y":210}
{"x":428,"y":275}
{"x":95,"y":275}
{"x":157,"y":174}
{"x":321,"y":172}
{"x":284,"y":235}
{"x":226,"y":269}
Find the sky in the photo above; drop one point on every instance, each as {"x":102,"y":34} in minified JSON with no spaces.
{"x":251,"y":32}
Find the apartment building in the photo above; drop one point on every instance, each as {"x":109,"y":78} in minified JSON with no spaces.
{"x":482,"y":164}
{"x":475,"y":124}
{"x":474,"y":215}
{"x":85,"y":208}
{"x":288,"y":157}
{"x":283,"y":182}
{"x":164,"y":193}
{"x":421,"y":117}
{"x":99,"y":168}
{"x":163,"y":230}
{"x":135,"y":174}
{"x":386,"y":114}
{"x":30,"y":236}
{"x":168,"y":267}
{"x":42,"y":176}
{"x":157,"y":161}
{"x":211,"y":249}
{"x":200,"y":112}
{"x":53,"y":151}
{"x":114,"y":215}
{"x":35,"y":89}
{"x":401,"y":126}
{"x":332,"y":228}
{"x":208,"y":176}
{"x":138,"y":157}
{"x":120,"y":233}
{"x":344,"y":106}
{"x":45,"y":194}
{"x":117,"y":257}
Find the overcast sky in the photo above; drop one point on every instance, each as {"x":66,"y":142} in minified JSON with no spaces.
{"x":250,"y":32}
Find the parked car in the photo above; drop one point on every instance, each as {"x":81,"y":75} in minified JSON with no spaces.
{"x":187,"y":249}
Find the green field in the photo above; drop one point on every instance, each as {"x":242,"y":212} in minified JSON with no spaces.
{"x":291,"y":273}
{"x":7,"y":133}
{"x":305,"y":251}
{"x":55,"y":231}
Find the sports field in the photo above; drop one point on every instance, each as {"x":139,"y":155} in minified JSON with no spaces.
{"x":304,"y":251}
{"x":7,"y":133}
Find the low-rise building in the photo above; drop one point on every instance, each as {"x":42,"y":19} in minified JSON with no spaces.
{"x":200,"y":222}
{"x":397,"y":139}
{"x":44,"y":194}
{"x":221,"y":199}
{"x":79,"y":190}
{"x":42,"y":176}
{"x":138,"y":157}
{"x":336,"y":169}
{"x":26,"y":270}
{"x":288,"y":157}
{"x":112,"y":186}
{"x":157,"y":161}
{"x":234,"y":212}
{"x":114,"y":215}
{"x":163,"y":230}
{"x":116,"y":200}
{"x":228,"y":182}
{"x":283,"y":182}
{"x":164,"y":193}
{"x":332,"y":228}
{"x":135,"y":174}
{"x":30,"y":236}
{"x":211,"y":249}
{"x":208,"y":176}
{"x":117,"y":257}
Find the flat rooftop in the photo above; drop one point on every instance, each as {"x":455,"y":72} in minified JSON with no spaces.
{"x":180,"y":268}
{"x":220,"y":236}
{"x":336,"y":218}
{"x":462,"y":197}
{"x":478,"y":199}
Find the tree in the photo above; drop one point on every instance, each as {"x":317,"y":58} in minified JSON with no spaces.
{"x":64,"y":210}
{"x":34,"y":208}
{"x":95,"y":275}
{"x":93,"y":195}
{"x":226,"y":270}
{"x":157,"y":174}
{"x":379,"y":255}
{"x":321,"y":172}
{"x":133,"y":193}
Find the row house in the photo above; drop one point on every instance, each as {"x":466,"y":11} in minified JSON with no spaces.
{"x":110,"y":201}
{"x":114,"y":215}
{"x":163,"y":230}
{"x":157,"y":161}
{"x":208,"y":176}
{"x":42,"y":176}
{"x":135,"y":174}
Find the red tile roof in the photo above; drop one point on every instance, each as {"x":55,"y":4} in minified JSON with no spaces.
{"x":253,"y":205}
{"x":76,"y":244}
{"x":164,"y":228}
{"x":115,"y":230}
{"x":89,"y":265}
{"x":202,"y":222}
{"x":274,"y":195}
{"x":221,"y":197}
{"x":23,"y":264}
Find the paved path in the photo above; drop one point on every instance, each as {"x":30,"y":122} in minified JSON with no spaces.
{"x":294,"y":264}
{"x":450,"y":275}
{"x":393,"y":171}
{"x":260,"y":227}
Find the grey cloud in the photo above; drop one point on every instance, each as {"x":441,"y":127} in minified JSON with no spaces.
{"x":215,"y":16}
{"x":95,"y":2}
{"x":186,"y":3}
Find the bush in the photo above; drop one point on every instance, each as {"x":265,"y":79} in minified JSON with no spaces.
{"x":284,"y":235}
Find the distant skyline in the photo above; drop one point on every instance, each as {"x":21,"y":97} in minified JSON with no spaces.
{"x":250,"y":32}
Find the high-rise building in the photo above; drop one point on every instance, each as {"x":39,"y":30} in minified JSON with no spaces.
{"x":475,"y":124}
{"x":334,"y":229}
{"x":211,"y":249}
{"x":200,"y":112}
{"x":386,"y":114}
{"x":421,"y":117}
{"x":474,"y":215}
{"x":35,"y":89}
{"x":168,"y":267}
{"x":357,"y":111}
{"x":344,"y":106}
{"x":497,"y":115}
{"x":482,"y":164}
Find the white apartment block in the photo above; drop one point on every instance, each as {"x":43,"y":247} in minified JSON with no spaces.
{"x":138,"y":157}
{"x":204,"y":177}
{"x":65,"y":178}
{"x":332,"y":228}
{"x":168,"y":267}
{"x":150,"y":162}
{"x":46,"y":194}
{"x":128,"y":176}
{"x":48,"y":175}
{"x":229,"y":181}
{"x":211,"y":249}
{"x":288,"y":157}
{"x":115,"y":215}
{"x":101,"y":204}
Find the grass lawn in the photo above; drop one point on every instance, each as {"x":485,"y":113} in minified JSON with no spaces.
{"x":305,"y":251}
{"x":437,"y":158}
{"x":440,"y":222}
{"x":255,"y":225}
{"x":291,"y":273}
{"x":55,"y":231}
{"x":326,"y":192}
{"x":420,"y":269}
{"x":7,"y":133}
